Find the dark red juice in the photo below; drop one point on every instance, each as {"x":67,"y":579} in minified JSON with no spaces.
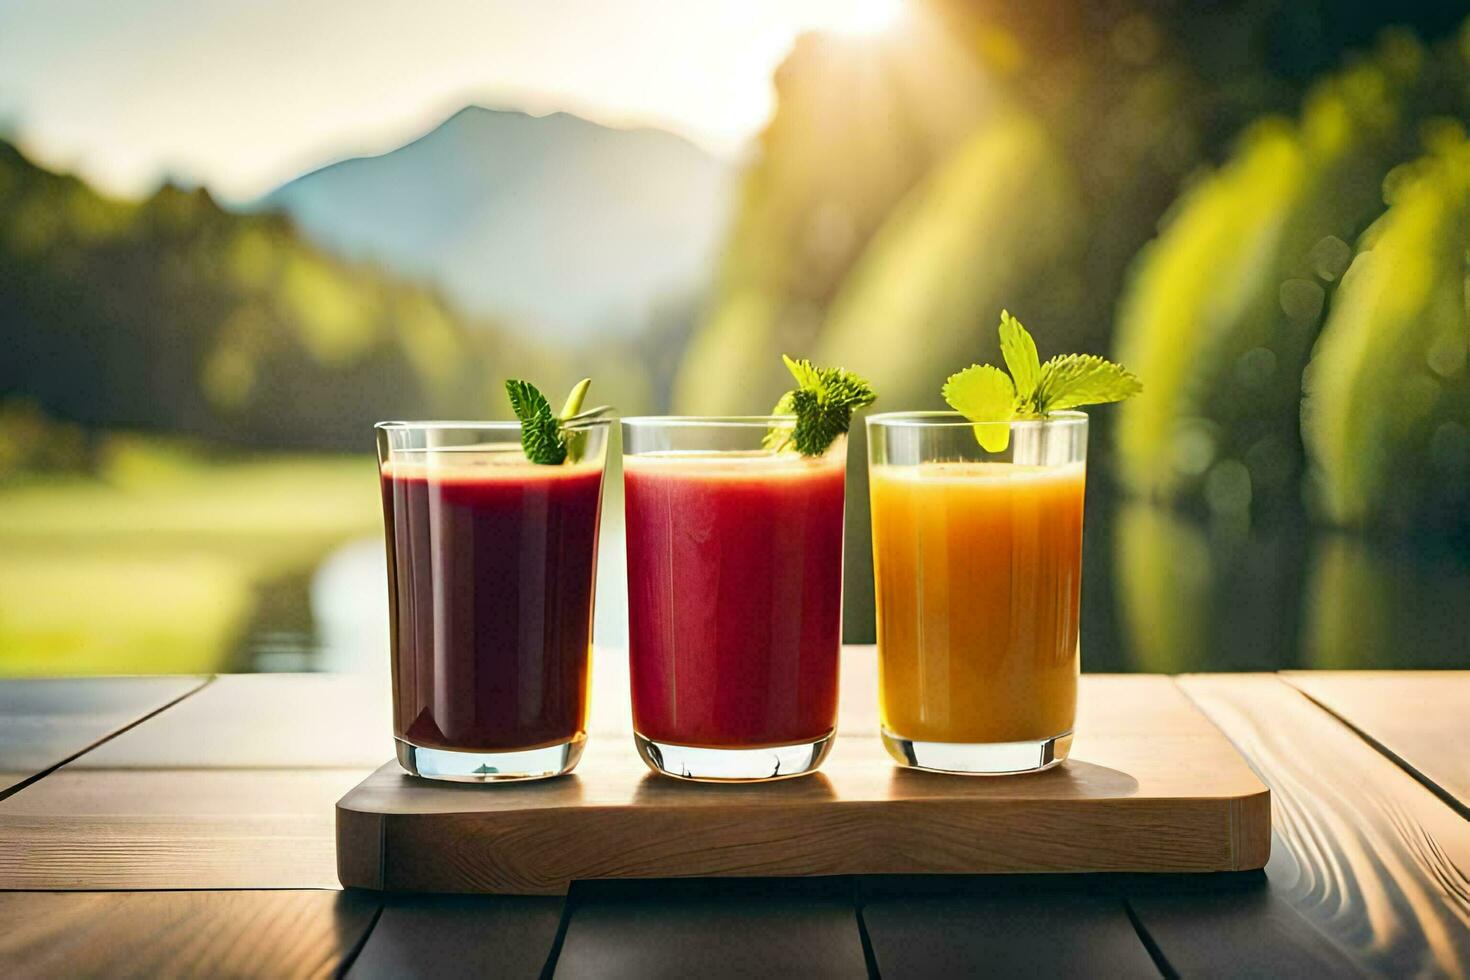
{"x":734,"y":597}
{"x":491,"y":566}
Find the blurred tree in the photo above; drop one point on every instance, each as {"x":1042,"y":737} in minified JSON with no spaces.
{"x":175,"y":315}
{"x":948,"y":258}
{"x":1129,"y":96}
{"x":859,"y":123}
{"x":1387,"y":414}
{"x":1020,"y":155}
{"x":1223,"y":306}
{"x":31,"y":443}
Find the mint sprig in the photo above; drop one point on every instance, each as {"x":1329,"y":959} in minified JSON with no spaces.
{"x":544,"y":436}
{"x":986,"y":395}
{"x":823,"y":402}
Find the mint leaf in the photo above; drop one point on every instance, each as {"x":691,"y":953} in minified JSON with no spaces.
{"x":545,"y":438}
{"x":823,"y":403}
{"x":987,"y":396}
{"x":1069,"y":380}
{"x":1019,"y":351}
{"x":778,"y":437}
{"x":805,"y":374}
{"x":540,"y":430}
{"x":984,"y":393}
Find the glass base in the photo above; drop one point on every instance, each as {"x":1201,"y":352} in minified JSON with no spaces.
{"x":733,"y":765}
{"x":979,"y":758}
{"x":491,"y":767}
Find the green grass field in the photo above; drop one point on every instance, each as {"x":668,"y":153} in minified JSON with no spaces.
{"x":155,"y":565}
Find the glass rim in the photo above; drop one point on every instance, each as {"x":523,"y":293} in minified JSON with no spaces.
{"x":496,"y":425}
{"x":703,"y":421}
{"x":940,"y":419}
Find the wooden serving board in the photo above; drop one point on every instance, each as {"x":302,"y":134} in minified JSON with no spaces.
{"x":1152,"y":786}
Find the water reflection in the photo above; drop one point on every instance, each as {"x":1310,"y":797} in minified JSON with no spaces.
{"x":1164,"y":579}
{"x":1381,"y":604}
{"x":346,"y":627}
{"x":349,"y":607}
{"x":1197,"y":597}
{"x":1163,"y":592}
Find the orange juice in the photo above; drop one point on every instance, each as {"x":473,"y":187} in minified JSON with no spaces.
{"x":978,"y":570}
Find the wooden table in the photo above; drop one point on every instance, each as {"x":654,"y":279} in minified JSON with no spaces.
{"x":166,"y":826}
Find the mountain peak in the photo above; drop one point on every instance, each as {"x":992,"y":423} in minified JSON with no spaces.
{"x":555,"y":221}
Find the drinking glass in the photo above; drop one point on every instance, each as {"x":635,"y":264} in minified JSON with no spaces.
{"x":491,"y":565}
{"x":977,"y":560}
{"x":734,"y":597}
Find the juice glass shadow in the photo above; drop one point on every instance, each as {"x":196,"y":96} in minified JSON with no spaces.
{"x":491,"y":565}
{"x":734,"y":597}
{"x":977,"y":560}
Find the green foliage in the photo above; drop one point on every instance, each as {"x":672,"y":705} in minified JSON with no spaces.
{"x":933,"y":271}
{"x":1165,"y":577}
{"x":1073,"y":380}
{"x":540,"y":431}
{"x":1368,"y":600}
{"x":986,"y":395}
{"x":1021,"y":358}
{"x":176,"y":315}
{"x":32,"y":444}
{"x":545,"y":438}
{"x":823,"y":402}
{"x":167,"y":548}
{"x":1387,"y":414}
{"x":832,"y":167}
{"x":1222,"y":307}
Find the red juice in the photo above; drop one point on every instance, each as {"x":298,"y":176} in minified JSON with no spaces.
{"x":491,"y":566}
{"x":734,"y":597}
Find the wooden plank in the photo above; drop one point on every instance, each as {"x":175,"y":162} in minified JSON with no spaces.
{"x":712,"y":930}
{"x":45,"y":721}
{"x":235,"y":791}
{"x":176,"y":934}
{"x":1028,"y":929}
{"x":462,"y":935}
{"x":182,"y":828}
{"x":1238,"y":928}
{"x":1421,"y":719}
{"x":1369,"y":857}
{"x":1152,"y":786}
{"x":1223,"y":924}
{"x":271,"y":721}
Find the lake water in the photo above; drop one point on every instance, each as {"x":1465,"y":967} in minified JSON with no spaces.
{"x":1161,"y":593}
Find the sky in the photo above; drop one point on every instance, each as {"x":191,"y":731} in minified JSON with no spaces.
{"x":242,"y":95}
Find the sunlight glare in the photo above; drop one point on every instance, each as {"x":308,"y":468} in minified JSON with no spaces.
{"x":863,"y":18}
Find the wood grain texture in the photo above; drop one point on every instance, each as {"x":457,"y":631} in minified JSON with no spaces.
{"x":1246,"y":928}
{"x":233,"y":791}
{"x":1214,"y":925}
{"x":45,"y":721}
{"x":1151,"y":786}
{"x":1369,"y":857}
{"x":268,"y":721}
{"x":508,"y":936}
{"x":180,"y":934}
{"x":182,"y":828}
{"x":1018,"y":932}
{"x":1420,"y":718}
{"x":712,"y":936}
